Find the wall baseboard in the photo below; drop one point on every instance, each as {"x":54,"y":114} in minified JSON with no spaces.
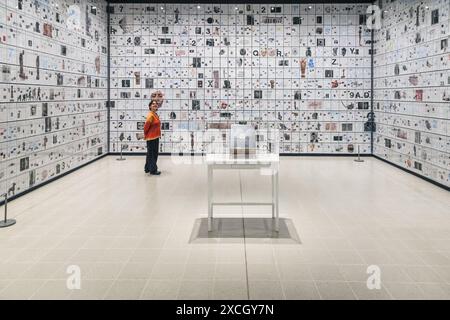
{"x":281,"y":154}
{"x":440,"y":185}
{"x":443,"y":186}
{"x":14,"y":197}
{"x":317,"y":155}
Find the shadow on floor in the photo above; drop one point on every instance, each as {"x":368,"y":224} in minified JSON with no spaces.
{"x":240,"y":228}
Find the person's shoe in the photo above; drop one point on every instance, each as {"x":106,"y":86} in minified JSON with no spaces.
{"x":156,"y":173}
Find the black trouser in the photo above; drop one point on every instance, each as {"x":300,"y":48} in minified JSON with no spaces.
{"x":152,"y":156}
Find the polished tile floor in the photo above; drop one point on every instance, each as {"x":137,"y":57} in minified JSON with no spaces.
{"x":135,"y":236}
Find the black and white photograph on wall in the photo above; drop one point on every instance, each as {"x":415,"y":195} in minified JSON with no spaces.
{"x":226,"y":84}
{"x":6,"y":73}
{"x":195,"y":105}
{"x":347,"y":127}
{"x":32,"y":178}
{"x":33,"y":110}
{"x":197,"y":63}
{"x":314,"y":138}
{"x":38,"y":67}
{"x":44,"y":109}
{"x":329,"y":73}
{"x":59,"y":79}
{"x":149,"y":83}
{"x":48,"y":124}
{"x":24,"y":163}
{"x":21,"y":66}
{"x":435,"y":16}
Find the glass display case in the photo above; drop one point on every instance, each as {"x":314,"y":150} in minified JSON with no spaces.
{"x":242,"y":140}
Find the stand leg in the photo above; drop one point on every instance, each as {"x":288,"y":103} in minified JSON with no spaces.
{"x":210,"y":195}
{"x":273,"y":194}
{"x":6,"y":207}
{"x":277,"y":220}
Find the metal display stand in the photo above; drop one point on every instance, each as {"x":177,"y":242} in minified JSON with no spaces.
{"x":270,"y":162}
{"x":6,"y":222}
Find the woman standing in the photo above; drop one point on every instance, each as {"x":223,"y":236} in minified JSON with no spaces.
{"x":152,"y":133}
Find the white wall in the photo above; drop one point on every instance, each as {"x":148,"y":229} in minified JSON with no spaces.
{"x":412,"y":87}
{"x":53,"y":89}
{"x":327,"y":119}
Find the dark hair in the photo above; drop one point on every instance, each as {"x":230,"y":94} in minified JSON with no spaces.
{"x":151,"y":101}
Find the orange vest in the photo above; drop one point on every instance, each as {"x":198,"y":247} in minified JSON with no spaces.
{"x":152,"y":127}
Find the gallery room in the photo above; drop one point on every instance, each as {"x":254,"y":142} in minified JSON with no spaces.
{"x":295,"y":150}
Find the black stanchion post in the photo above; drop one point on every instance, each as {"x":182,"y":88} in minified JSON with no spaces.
{"x":359,"y":157}
{"x":121,"y":151}
{"x":6,"y":223}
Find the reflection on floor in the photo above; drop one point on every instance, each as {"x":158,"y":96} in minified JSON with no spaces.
{"x":135,"y":236}
{"x":248,"y":228}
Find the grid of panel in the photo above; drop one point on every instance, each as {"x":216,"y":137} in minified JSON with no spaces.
{"x":412,"y":87}
{"x":53,"y":61}
{"x":304,"y":69}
